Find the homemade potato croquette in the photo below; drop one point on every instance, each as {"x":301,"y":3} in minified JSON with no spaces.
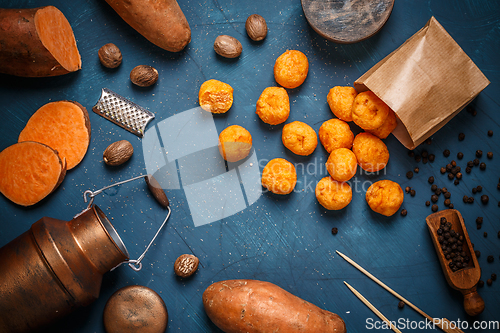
{"x":333,"y":195}
{"x":273,"y":106}
{"x":342,"y":164}
{"x":368,"y":111}
{"x":387,"y":127}
{"x":372,"y":154}
{"x":215,"y":96}
{"x":300,"y":138}
{"x":279,"y":176}
{"x":385,"y":197}
{"x":334,"y":134}
{"x":340,"y":100}
{"x":235,"y":143}
{"x":290,"y":69}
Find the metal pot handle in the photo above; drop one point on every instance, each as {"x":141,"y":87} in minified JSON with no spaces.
{"x":135,"y":264}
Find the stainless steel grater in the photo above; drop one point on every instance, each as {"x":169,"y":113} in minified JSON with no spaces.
{"x":123,"y":112}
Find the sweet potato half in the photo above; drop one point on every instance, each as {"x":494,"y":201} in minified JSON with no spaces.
{"x":63,"y":126}
{"x":162,"y":22}
{"x":37,"y":42}
{"x":251,"y":306}
{"x":29,"y":171}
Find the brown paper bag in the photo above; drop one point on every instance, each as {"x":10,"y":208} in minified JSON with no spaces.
{"x":426,"y":81}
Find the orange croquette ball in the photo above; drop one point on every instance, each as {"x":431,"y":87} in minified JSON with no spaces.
{"x":279,"y":176}
{"x":385,"y":197}
{"x":335,"y":133}
{"x":372,"y":154}
{"x":368,"y":111}
{"x":333,"y":195}
{"x":290,"y":69}
{"x":340,"y":100}
{"x":273,"y":106}
{"x":300,"y":138}
{"x":387,"y":127}
{"x":235,"y":143}
{"x":215,"y":96}
{"x":342,"y":164}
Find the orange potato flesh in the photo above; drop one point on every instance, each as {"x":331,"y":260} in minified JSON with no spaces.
{"x":29,"y":171}
{"x":63,"y":126}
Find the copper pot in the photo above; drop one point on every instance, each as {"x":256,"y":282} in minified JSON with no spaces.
{"x":56,"y":267}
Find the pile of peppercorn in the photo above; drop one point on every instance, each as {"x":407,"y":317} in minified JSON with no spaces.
{"x":453,"y":246}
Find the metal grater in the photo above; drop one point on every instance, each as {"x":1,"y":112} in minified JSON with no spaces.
{"x":123,"y":112}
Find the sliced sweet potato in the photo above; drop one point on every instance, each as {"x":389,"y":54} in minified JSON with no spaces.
{"x":162,"y":22}
{"x":63,"y":126}
{"x":29,"y":171}
{"x":37,"y":42}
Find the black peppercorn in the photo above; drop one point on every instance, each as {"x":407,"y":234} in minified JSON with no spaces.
{"x":482,"y":166}
{"x":404,"y":212}
{"x":490,"y":133}
{"x":425,"y":153}
{"x":479,"y":188}
{"x":451,"y":176}
{"x":470,"y":200}
{"x":490,"y":259}
{"x":468,"y":169}
{"x":470,"y":164}
{"x":453,"y":163}
{"x":411,"y":153}
{"x":432,"y":157}
{"x":428,"y":203}
{"x":446,"y":153}
{"x":456,"y":170}
{"x":449,"y":167}
{"x":477,"y":253}
{"x":474,"y":190}
{"x":416,"y":170}
{"x":493,"y":276}
{"x":430,"y":180}
{"x":451,"y":206}
{"x":401,"y":304}
{"x":407,"y":189}
{"x":479,"y":220}
{"x":424,"y":160}
{"x":409,"y":175}
{"x":485,"y":199}
{"x":335,"y":231}
{"x":434,"y":198}
{"x":434,"y":188}
{"x":476,"y":162}
{"x":461,"y":136}
{"x":434,"y":208}
{"x":479,"y":153}
{"x":447,"y":202}
{"x":456,"y":182}
{"x":438,"y":191}
{"x":480,"y":284}
{"x":460,"y":155}
{"x":489,"y":282}
{"x":443,"y":170}
{"x":447,"y":195}
{"x":459,"y":175}
{"x":412,"y":193}
{"x":417,"y":158}
{"x":489,"y":155}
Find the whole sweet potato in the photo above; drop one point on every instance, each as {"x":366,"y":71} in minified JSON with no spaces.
{"x":162,"y":22}
{"x":37,"y":42}
{"x":251,"y":306}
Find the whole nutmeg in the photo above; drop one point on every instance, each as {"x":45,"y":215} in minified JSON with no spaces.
{"x":110,"y":55}
{"x":186,"y":265}
{"x":227,"y":46}
{"x":118,"y":153}
{"x":144,"y":75}
{"x":256,"y":27}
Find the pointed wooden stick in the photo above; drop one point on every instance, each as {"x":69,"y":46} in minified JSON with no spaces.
{"x":373,"y":308}
{"x":443,"y":324}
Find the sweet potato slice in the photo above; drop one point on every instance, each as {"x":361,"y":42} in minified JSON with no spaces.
{"x":63,"y":126}
{"x":37,"y":42}
{"x":29,"y":171}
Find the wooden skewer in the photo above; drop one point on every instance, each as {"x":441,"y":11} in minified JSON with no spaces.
{"x":373,"y":308}
{"x":443,"y":324}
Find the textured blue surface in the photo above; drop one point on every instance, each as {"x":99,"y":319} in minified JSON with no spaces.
{"x":284,"y":240}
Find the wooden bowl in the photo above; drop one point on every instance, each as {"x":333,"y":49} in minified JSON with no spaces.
{"x":464,"y":280}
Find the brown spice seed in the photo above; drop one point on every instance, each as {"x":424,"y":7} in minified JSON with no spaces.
{"x":186,"y":265}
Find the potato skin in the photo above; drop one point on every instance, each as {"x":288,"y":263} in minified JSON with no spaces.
{"x":161,"y":22}
{"x":252,"y":306}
